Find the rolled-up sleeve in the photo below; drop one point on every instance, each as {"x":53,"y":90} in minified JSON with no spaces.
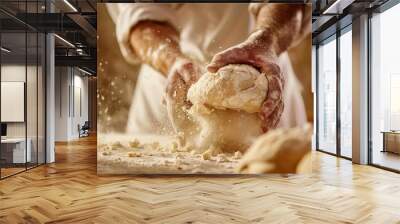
{"x":127,"y":15}
{"x":305,"y":19}
{"x":254,"y":8}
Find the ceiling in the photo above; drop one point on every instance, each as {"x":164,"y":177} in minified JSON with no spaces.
{"x":332,"y":15}
{"x":74,"y":21}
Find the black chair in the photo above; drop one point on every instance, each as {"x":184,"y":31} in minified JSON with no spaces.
{"x":84,"y":130}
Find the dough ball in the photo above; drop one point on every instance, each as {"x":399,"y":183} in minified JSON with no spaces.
{"x":279,"y":151}
{"x":236,"y":87}
{"x":228,"y":130}
{"x":224,"y":108}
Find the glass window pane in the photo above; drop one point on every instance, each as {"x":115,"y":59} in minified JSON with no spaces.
{"x":346,"y":94}
{"x":327,"y":96}
{"x":22,"y":85}
{"x":385,"y":114}
{"x":13,"y":86}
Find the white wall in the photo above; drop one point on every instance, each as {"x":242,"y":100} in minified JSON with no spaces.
{"x":69,"y":82}
{"x":14,"y":73}
{"x":62,"y":81}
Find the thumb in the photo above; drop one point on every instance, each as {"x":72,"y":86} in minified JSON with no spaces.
{"x":234,"y":55}
{"x":216,"y":63}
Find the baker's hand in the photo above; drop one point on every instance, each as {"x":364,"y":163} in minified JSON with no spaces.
{"x":258,"y":51}
{"x":182,"y":74}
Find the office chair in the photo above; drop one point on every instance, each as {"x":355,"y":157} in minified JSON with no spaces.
{"x":84,"y":130}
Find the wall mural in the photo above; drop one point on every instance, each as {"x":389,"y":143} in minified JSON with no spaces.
{"x":195,"y":88}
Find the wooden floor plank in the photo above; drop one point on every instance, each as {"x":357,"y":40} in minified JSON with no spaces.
{"x":69,"y":191}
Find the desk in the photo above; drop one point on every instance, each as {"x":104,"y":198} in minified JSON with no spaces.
{"x":13,"y":150}
{"x":391,"y":141}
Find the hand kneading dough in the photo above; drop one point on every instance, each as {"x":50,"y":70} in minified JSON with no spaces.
{"x":279,"y":151}
{"x":237,"y":87}
{"x":224,"y":110}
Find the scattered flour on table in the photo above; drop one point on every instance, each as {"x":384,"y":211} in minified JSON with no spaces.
{"x":157,"y":157}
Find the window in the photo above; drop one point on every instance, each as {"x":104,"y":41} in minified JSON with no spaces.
{"x":327,"y":96}
{"x":385,"y":89}
{"x":346,"y":92}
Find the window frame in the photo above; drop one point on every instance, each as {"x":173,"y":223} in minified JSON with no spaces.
{"x":334,"y":37}
{"x":381,"y":9}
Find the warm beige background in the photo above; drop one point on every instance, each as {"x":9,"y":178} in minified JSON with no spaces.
{"x":301,"y":61}
{"x":117,"y":78}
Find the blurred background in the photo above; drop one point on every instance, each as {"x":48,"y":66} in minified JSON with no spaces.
{"x":116,"y":77}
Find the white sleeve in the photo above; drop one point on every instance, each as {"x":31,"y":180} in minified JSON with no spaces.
{"x":127,"y":15}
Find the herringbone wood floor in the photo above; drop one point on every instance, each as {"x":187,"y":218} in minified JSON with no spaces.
{"x":69,"y":191}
